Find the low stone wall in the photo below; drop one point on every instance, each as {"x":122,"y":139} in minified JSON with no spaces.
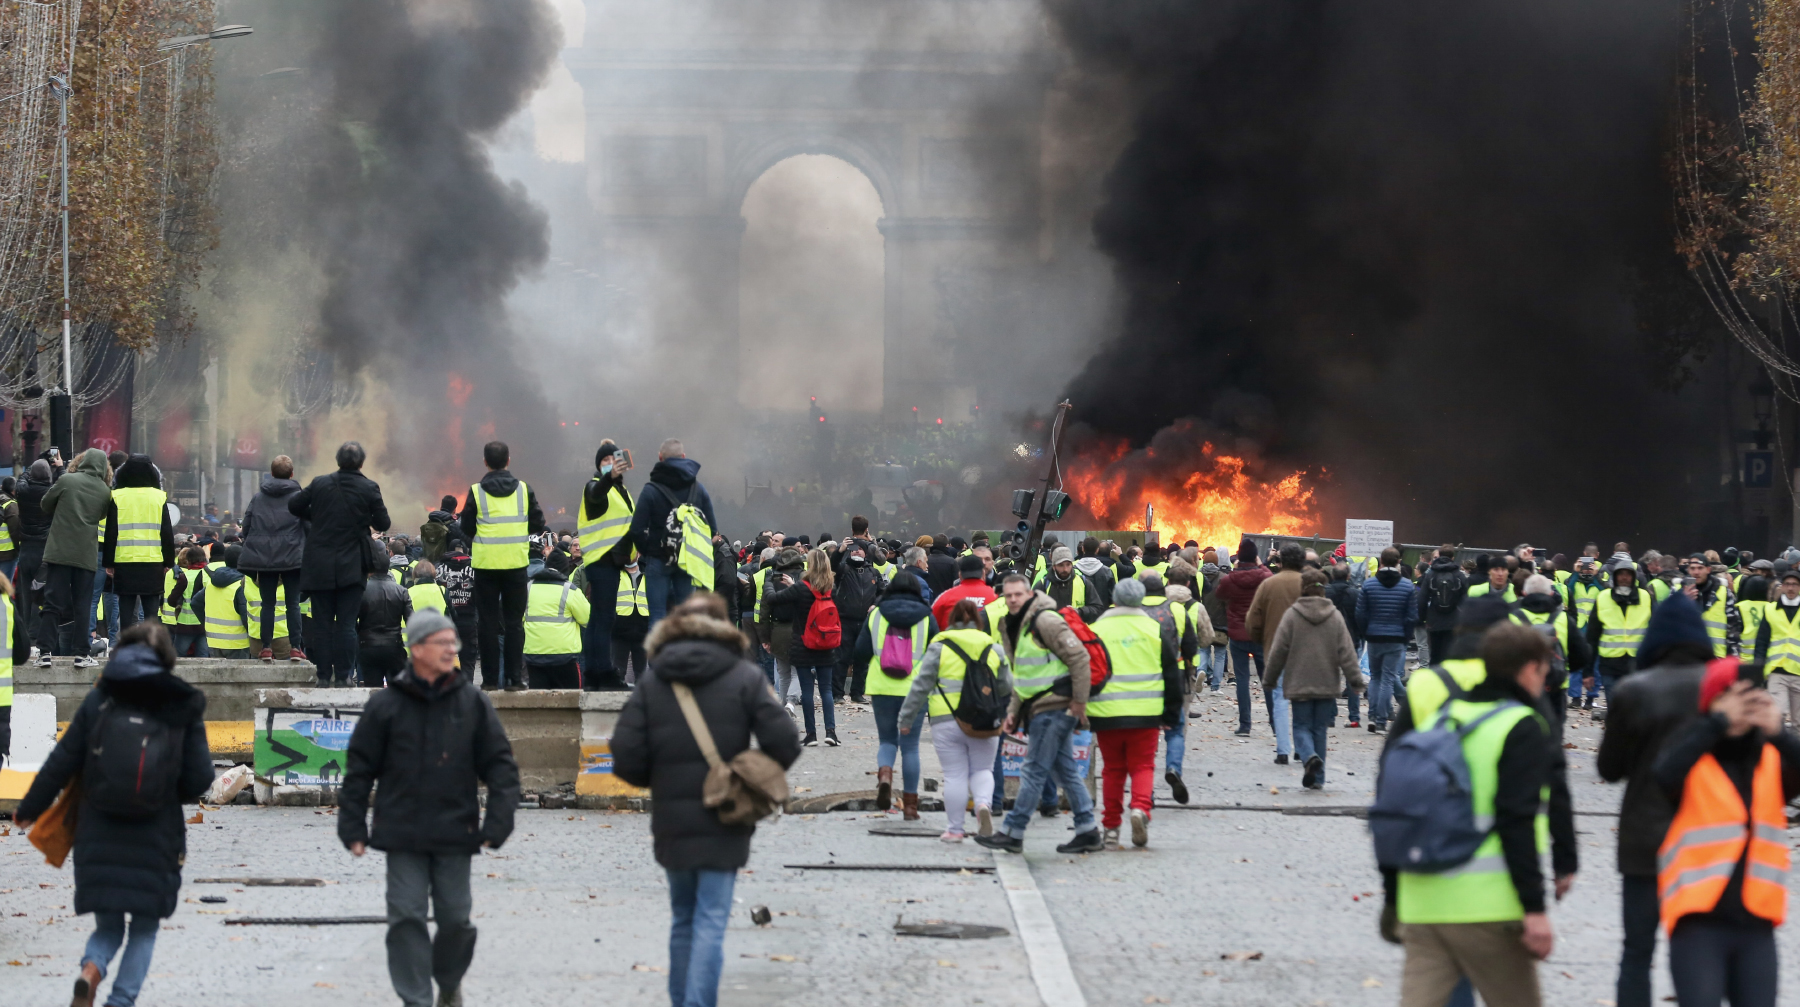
{"x":230,"y":686}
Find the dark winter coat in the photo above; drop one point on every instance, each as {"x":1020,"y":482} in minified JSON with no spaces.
{"x":653,"y":747}
{"x":136,"y":578}
{"x":1385,"y":610}
{"x":76,"y":505}
{"x":793,"y":604}
{"x":274,"y":538}
{"x":502,"y":483}
{"x":940,"y":571}
{"x":653,"y":525}
{"x":901,"y":610}
{"x":428,"y":746}
{"x":1446,"y":569}
{"x":1646,"y":709}
{"x":1237,"y":590}
{"x":1343,"y":596}
{"x":220,"y":577}
{"x":341,"y":508}
{"x":385,"y":607}
{"x":129,"y":865}
{"x":34,"y":524}
{"x":598,"y":497}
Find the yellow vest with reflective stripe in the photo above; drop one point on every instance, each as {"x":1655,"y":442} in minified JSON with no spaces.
{"x":6,"y":542}
{"x":1481,"y":890}
{"x":502,"y":529}
{"x":759,"y":580}
{"x":1077,"y":590}
{"x":1621,"y":628}
{"x":7,"y":658}
{"x":1784,"y":638}
{"x":951,"y":669}
{"x":225,"y":630}
{"x":185,"y":615}
{"x":880,"y":683}
{"x":695,"y":555}
{"x":253,"y":609}
{"x":1134,"y":644}
{"x":1660,"y":589}
{"x":599,"y":534}
{"x":428,"y":597}
{"x":1583,"y":596}
{"x":141,"y":510}
{"x":1752,"y":612}
{"x":1425,"y":691}
{"x":1713,"y":616}
{"x":550,"y":628}
{"x":633,"y":598}
{"x":1035,"y":668}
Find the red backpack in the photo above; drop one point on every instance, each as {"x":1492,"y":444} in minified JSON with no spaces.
{"x":1099,"y":662}
{"x":823,"y":630}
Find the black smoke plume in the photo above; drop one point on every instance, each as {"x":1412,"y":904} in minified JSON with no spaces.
{"x":1427,"y":246}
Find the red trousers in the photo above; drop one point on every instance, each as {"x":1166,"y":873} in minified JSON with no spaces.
{"x":1127,"y":751}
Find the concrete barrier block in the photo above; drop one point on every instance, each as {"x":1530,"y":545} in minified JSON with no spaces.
{"x":33,"y":736}
{"x":596,"y":785}
{"x":230,"y":686}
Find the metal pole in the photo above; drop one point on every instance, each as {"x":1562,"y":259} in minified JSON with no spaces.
{"x":62,"y":98}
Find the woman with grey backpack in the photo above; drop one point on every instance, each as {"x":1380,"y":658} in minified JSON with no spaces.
{"x":134,"y":752}
{"x":698,"y":672}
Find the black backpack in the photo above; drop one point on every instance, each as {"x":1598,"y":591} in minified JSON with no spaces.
{"x":981,"y":706}
{"x":132,"y":762}
{"x":1447,"y":591}
{"x":856,"y":591}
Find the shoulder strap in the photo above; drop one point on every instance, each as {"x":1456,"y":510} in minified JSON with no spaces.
{"x":1455,"y":688}
{"x":967,"y":661}
{"x":696,"y":723}
{"x":1466,"y":729}
{"x":666,"y":492}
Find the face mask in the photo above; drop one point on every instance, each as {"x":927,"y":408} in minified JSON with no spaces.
{"x":606,"y":469}
{"x":1623,"y":591}
{"x":1789,"y":602}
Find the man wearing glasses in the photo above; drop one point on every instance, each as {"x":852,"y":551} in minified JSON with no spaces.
{"x":428,"y":739}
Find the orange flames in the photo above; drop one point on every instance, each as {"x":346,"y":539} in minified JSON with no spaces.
{"x":1198,"y":493}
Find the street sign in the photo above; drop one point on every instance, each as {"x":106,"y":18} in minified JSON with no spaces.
{"x":1759,"y":470}
{"x":1363,"y":537}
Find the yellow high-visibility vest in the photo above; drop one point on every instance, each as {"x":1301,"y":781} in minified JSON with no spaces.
{"x":554,"y":615}
{"x":141,"y":510}
{"x":502,"y":529}
{"x":225,"y":629}
{"x":599,"y":534}
{"x":633,"y":598}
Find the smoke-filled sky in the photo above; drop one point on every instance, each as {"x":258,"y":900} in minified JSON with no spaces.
{"x":1402,"y":241}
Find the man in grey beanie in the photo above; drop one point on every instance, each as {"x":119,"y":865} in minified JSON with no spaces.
{"x":428,"y":821}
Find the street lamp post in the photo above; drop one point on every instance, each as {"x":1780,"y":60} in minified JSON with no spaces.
{"x":62,"y":426}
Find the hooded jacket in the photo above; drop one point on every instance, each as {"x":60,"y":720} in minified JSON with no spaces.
{"x":1100,"y":578}
{"x":1579,"y":654}
{"x":129,"y":865}
{"x":34,"y":524}
{"x":653,"y":747}
{"x":340,"y":508}
{"x":1039,"y":616}
{"x":140,"y":577}
{"x":221,"y":577}
{"x":76,"y":505}
{"x":1447,"y":570}
{"x":500,"y":482}
{"x":901,"y":609}
{"x":1311,"y":656}
{"x":1385,"y":609}
{"x":428,"y":746}
{"x":1237,"y":590}
{"x":653,"y":526}
{"x":1062,"y":591}
{"x":274,"y":537}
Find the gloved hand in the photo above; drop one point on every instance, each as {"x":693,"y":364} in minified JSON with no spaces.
{"x":1390,"y":924}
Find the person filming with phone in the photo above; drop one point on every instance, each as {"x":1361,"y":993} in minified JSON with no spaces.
{"x":1723,"y":865}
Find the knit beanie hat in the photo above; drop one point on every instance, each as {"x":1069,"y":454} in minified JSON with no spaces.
{"x":1676,"y":621}
{"x":1129,"y":594}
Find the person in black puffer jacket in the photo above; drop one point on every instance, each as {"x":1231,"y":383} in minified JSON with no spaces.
{"x":128,"y":865}
{"x":385,"y":608}
{"x":793,"y":604}
{"x":274,"y":545}
{"x":34,"y":530}
{"x":653,"y":747}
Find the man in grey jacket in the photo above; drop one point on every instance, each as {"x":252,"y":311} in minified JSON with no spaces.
{"x":1050,"y":673}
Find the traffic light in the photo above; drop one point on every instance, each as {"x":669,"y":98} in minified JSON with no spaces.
{"x":1021,"y":506}
{"x":1056,"y":503}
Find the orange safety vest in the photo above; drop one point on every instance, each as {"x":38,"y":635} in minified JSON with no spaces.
{"x":1705,"y":842}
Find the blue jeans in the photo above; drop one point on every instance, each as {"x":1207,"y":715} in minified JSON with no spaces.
{"x":1050,"y":752}
{"x":603,"y":584}
{"x":700,"y":904}
{"x":1575,"y":686}
{"x":1279,"y":717}
{"x":821,"y":675}
{"x":1312,"y":718}
{"x":109,"y":933}
{"x":887,"y":727}
{"x":1241,"y":653}
{"x":1387,"y":680}
{"x":665,"y":586}
{"x":1213,"y":660}
{"x":1175,"y":741}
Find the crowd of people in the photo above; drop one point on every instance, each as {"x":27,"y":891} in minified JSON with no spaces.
{"x":739,"y":655}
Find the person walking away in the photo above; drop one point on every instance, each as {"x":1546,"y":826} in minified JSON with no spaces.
{"x":856,"y":592}
{"x":1271,"y":602}
{"x":139,"y":541}
{"x":223,"y":609}
{"x":423,"y":744}
{"x":34,"y":531}
{"x":891,"y":649}
{"x":274,"y":548}
{"x":1648,"y":708}
{"x":499,"y":517}
{"x":1237,"y":590}
{"x":697,"y":650}
{"x":1617,"y":628}
{"x":1213,"y":653}
{"x":1312,"y":660}
{"x":278,"y":647}
{"x":11,"y":528}
{"x":1486,"y":921}
{"x":941,"y":571}
{"x":1343,"y":596}
{"x":138,"y":745}
{"x":1128,"y":715}
{"x":426,"y":593}
{"x":1099,"y":576}
{"x":380,"y":631}
{"x":776,"y":627}
{"x":971,"y":572}
{"x":76,"y":505}
{"x":967,"y":759}
{"x":442,"y":531}
{"x":631,"y":624}
{"x":817,"y":633}
{"x":604,"y":528}
{"x":456,"y":575}
{"x":341,"y":508}
{"x":185,"y":585}
{"x":1385,"y":614}
{"x":1724,"y":861}
{"x":661,"y":533}
{"x":1441,"y":592}
{"x":554,"y":615}
{"x":1051,"y":679}
{"x":1197,"y":630}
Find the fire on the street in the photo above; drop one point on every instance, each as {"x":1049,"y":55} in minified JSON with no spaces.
{"x":1197,"y":493}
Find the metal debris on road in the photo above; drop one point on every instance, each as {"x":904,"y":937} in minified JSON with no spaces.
{"x":939,"y":868}
{"x":945,"y":929}
{"x":263,"y":882}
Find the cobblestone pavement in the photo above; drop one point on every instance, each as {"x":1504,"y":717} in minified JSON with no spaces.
{"x":574,"y":906}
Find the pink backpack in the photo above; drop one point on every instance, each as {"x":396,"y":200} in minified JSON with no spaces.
{"x":897,"y":653}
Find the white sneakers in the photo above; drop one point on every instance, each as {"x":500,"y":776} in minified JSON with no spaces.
{"x":984,"y":819}
{"x":1140,"y":827}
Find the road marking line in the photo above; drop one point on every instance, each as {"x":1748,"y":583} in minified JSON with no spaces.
{"x":1050,"y":968}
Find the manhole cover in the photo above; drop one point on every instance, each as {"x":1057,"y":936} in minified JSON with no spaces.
{"x":953,"y":931}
